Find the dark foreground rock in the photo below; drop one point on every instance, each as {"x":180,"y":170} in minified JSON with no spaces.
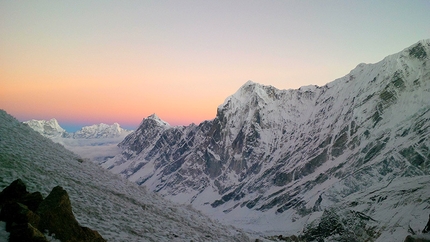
{"x":56,"y":216}
{"x":26,"y":232}
{"x":27,"y":215}
{"x":18,"y":214}
{"x":17,"y":192}
{"x":417,"y":238}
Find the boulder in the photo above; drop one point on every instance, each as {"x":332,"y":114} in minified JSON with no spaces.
{"x":27,"y":215}
{"x":14,"y":192}
{"x":417,"y":238}
{"x":17,"y":213}
{"x":17,"y":192}
{"x":56,"y":216}
{"x":32,"y":200}
{"x":26,"y":232}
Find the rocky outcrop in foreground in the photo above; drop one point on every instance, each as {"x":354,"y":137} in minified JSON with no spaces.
{"x":28,"y":216}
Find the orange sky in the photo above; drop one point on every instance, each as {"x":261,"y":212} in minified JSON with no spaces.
{"x":88,"y":62}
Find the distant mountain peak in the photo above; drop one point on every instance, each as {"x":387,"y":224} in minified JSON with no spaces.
{"x":251,"y":86}
{"x":157,"y":119}
{"x":249,"y":83}
{"x":100,"y":131}
{"x":49,"y":128}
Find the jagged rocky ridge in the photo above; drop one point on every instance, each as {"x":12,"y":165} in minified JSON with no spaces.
{"x":118,"y":209}
{"x":291,"y":153}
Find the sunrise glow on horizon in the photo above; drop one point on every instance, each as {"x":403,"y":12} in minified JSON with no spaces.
{"x":88,"y":62}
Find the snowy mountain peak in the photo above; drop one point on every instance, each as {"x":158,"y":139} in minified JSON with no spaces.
{"x":49,"y":128}
{"x":249,"y":83}
{"x":157,"y":119}
{"x":251,"y":93}
{"x":294,"y":152}
{"x":99,"y":131}
{"x":140,"y":140}
{"x":53,"y":121}
{"x":251,"y":87}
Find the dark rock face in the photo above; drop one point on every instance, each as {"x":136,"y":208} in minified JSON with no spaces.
{"x":14,"y":192}
{"x":26,"y":232}
{"x":57,"y":217}
{"x":17,"y":213}
{"x":418,"y":51}
{"x":17,"y":191}
{"x":336,"y":225}
{"x":32,"y":200}
{"x":416,"y":238}
{"x":27,"y":214}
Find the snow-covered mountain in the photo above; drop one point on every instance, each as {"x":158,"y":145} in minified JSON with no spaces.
{"x":273,"y":160}
{"x":102,"y":130}
{"x":48,"y":128}
{"x":52,"y":129}
{"x":96,"y":142}
{"x":119,"y":210}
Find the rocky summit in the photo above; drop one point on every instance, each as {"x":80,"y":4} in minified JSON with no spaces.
{"x":278,"y":161}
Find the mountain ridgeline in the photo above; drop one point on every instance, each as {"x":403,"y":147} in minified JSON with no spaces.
{"x":51,"y":129}
{"x":292,"y":151}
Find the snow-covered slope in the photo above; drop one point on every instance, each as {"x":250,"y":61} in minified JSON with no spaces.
{"x":119,"y":210}
{"x":272,"y":160}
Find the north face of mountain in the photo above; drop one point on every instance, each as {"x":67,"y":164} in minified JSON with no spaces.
{"x":291,"y":154}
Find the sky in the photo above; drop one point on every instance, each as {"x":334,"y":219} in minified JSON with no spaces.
{"x":89,"y":62}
